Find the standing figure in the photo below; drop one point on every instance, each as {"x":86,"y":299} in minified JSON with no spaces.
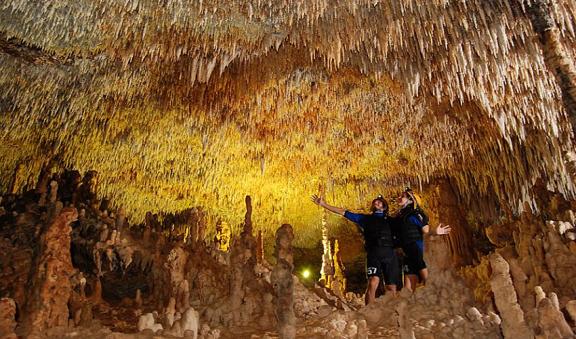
{"x":411,"y":225}
{"x":381,"y":260}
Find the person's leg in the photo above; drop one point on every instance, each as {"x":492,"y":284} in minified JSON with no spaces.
{"x":423,"y":273}
{"x":392,"y":274}
{"x":411,"y":268}
{"x":400,"y":258}
{"x":373,"y":272}
{"x":410,"y":281}
{"x":391,"y":289}
{"x":370,"y":295}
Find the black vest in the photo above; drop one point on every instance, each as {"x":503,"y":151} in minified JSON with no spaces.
{"x":377,"y":232}
{"x":410,"y":232}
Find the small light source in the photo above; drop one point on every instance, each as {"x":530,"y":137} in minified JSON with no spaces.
{"x":306,"y":274}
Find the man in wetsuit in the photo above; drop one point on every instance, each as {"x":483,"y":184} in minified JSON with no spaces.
{"x":381,"y":260}
{"x":410,"y":226}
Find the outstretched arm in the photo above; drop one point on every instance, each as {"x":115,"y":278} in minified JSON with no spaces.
{"x":320,"y":202}
{"x":440,"y":230}
{"x":443,"y":230}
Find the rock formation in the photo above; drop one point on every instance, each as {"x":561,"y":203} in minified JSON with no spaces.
{"x":338,"y":285}
{"x":7,"y":318}
{"x":513,"y":322}
{"x":49,"y":286}
{"x":283,"y":282}
{"x":327,"y":269}
{"x":157,"y":277}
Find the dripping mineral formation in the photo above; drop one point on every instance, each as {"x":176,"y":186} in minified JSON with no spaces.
{"x":156,"y":160}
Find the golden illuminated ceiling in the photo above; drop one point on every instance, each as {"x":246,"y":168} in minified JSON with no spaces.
{"x":183,"y":103}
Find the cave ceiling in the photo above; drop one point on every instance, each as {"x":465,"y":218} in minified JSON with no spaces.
{"x":198,"y":103}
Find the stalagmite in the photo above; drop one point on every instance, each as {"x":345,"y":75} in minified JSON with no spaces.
{"x":259,"y":248}
{"x":338,"y":285}
{"x":551,"y":321}
{"x":571,"y":309}
{"x":50,"y":288}
{"x":248,"y":216}
{"x":7,"y":318}
{"x":327,"y":269}
{"x":513,"y":324}
{"x":146,"y":322}
{"x":222,"y":237}
{"x":53,"y":191}
{"x":283,"y":282}
{"x":406,"y":331}
{"x":120,"y":219}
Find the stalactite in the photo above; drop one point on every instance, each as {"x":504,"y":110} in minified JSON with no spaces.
{"x":557,"y":59}
{"x":179,"y":105}
{"x":16,"y":180}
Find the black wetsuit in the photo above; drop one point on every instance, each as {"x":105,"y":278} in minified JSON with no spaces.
{"x":381,"y":259}
{"x":408,"y":235}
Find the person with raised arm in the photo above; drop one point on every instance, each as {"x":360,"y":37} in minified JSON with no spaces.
{"x":381,"y":260}
{"x":411,"y":224}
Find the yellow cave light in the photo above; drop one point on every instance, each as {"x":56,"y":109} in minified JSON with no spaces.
{"x":306,"y":273}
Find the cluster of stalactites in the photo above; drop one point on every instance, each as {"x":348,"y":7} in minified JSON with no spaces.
{"x":186,"y":104}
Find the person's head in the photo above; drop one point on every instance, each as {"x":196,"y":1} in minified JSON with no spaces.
{"x":379,"y":205}
{"x":406,"y":198}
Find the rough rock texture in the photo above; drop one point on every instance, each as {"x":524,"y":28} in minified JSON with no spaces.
{"x":114,"y":275}
{"x":7,"y":318}
{"x":571,"y":309}
{"x":50,"y":287}
{"x":327,"y":268}
{"x":158,"y":277}
{"x":551,"y":321}
{"x":283,"y":282}
{"x":555,"y":53}
{"x":146,"y":322}
{"x":513,"y":323}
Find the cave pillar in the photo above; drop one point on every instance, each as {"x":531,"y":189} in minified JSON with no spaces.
{"x":327,"y":270}
{"x":339,"y":280}
{"x":50,"y":286}
{"x":283,"y":282}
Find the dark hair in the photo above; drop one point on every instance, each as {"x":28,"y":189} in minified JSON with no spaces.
{"x":384,"y":204}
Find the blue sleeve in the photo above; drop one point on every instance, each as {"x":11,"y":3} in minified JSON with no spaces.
{"x":416,"y":221}
{"x":354,"y":217}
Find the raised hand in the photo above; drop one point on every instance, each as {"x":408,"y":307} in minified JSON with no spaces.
{"x":317,"y":200}
{"x":443,"y":230}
